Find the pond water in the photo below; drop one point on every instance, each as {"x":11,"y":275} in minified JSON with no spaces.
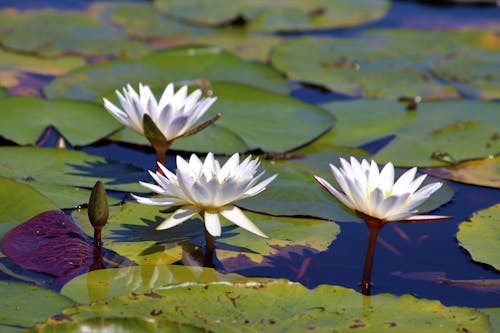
{"x":421,"y":259}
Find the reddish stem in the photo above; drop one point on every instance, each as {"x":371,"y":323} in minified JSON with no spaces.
{"x":374,"y":227}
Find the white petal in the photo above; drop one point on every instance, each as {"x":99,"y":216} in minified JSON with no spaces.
{"x":376,"y":200}
{"x":373,"y":177}
{"x":416,"y":183}
{"x":404,"y":181}
{"x":235,"y":215}
{"x":340,"y":196}
{"x":260,"y":186}
{"x":229,"y":166}
{"x":426,"y":218}
{"x":167,"y":96}
{"x":386,"y":180}
{"x":156,"y":201}
{"x":180,"y":215}
{"x":212,"y":223}
{"x":154,"y":188}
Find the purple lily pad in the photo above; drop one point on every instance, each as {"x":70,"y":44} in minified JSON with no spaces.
{"x":51,"y":243}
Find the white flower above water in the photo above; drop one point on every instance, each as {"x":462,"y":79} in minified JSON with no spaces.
{"x":174,"y":114}
{"x":374,"y":193}
{"x":207,"y":189}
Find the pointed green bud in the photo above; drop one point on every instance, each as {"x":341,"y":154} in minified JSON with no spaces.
{"x":98,"y":206}
{"x":152,"y":133}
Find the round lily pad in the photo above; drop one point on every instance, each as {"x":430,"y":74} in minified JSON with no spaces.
{"x":184,"y":64}
{"x":59,"y":33}
{"x":282,"y":306}
{"x":24,"y":120}
{"x":276,"y":16}
{"x":35,"y":304}
{"x":444,"y":133}
{"x":479,"y":236}
{"x":394,"y":63}
{"x":131,"y":232}
{"x":484,"y":172}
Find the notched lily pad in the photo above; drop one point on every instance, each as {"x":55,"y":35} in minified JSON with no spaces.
{"x":445,"y":133}
{"x":59,"y":33}
{"x":24,"y":120}
{"x":185,"y":64}
{"x":294,"y":309}
{"x":283,"y":16}
{"x":395,"y":63}
{"x":479,"y":236}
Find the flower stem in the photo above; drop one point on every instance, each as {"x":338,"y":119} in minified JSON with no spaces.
{"x":208,"y":260}
{"x":161,"y":152}
{"x":98,"y":237}
{"x":374,"y":227}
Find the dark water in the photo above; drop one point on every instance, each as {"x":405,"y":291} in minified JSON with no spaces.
{"x":414,"y":259}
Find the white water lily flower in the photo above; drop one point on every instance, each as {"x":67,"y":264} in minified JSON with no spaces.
{"x":207,"y":189}
{"x":174,"y":114}
{"x":369,"y":191}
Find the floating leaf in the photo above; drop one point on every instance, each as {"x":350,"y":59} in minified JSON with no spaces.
{"x":180,"y":64}
{"x":107,"y":283}
{"x":14,"y":65}
{"x":131,"y":232}
{"x":363,"y":121}
{"x":393,"y":63}
{"x":479,"y":236}
{"x":3,"y":92}
{"x":269,"y":16}
{"x":24,"y":120}
{"x":19,"y":202}
{"x":24,"y":305}
{"x":247,"y":307}
{"x":143,"y":325}
{"x":485,"y":172}
{"x":445,"y":133}
{"x":61,"y":33}
{"x":296,"y":193}
{"x":67,"y":167}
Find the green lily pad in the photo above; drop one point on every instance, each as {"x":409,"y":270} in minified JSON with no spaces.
{"x":143,"y":325}
{"x":107,"y":283}
{"x":185,"y":64}
{"x":363,"y":121}
{"x":13,"y":65}
{"x":131,"y":232}
{"x":251,"y":119}
{"x":68,"y":167}
{"x":280,"y":16}
{"x":484,"y":172}
{"x":296,"y":193}
{"x":59,"y":33}
{"x":445,"y":133}
{"x":494,"y":316}
{"x":24,"y":120}
{"x":24,"y":305}
{"x":394,"y":63}
{"x":479,"y":236}
{"x":3,"y":92}
{"x":20,"y":202}
{"x":282,"y":306}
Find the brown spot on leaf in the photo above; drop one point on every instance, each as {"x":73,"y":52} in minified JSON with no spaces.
{"x":155,"y":312}
{"x":153,"y":295}
{"x":357,"y":324}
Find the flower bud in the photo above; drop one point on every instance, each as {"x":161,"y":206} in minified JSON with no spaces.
{"x":98,"y":210}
